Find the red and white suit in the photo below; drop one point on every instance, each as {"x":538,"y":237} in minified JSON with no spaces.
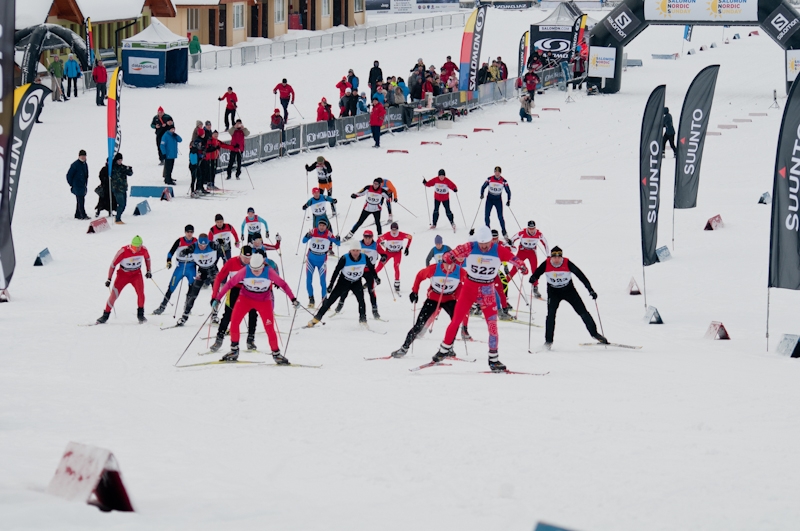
{"x":393,"y":245}
{"x":528,"y":243}
{"x":129,"y":272}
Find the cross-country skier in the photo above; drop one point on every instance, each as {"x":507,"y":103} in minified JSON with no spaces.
{"x":481,"y":259}
{"x":558,"y":272}
{"x":441,"y":196}
{"x":205,"y":255}
{"x":224,"y":234}
{"x":129,"y":259}
{"x":324,"y":177}
{"x":317,"y":204}
{"x":529,"y":240}
{"x":186,"y":267}
{"x":353,"y":266}
{"x":392,"y":243}
{"x":501,"y":287}
{"x":319,"y":242}
{"x":231,"y":103}
{"x":258,"y":245}
{"x":437,"y":251}
{"x":375,"y":253}
{"x":376,"y":194}
{"x":496,"y":184}
{"x":230,"y":268}
{"x":286,"y":96}
{"x":254,"y":294}
{"x":446,"y":280}
{"x":252,"y":224}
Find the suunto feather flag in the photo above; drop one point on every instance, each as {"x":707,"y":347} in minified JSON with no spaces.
{"x":114,"y":130}
{"x":7,"y":259}
{"x":650,"y":172}
{"x":692,"y":136}
{"x":471,"y":44}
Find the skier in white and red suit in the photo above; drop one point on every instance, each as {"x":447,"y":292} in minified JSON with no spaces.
{"x":129,"y":259}
{"x":481,"y":259}
{"x":392,"y":243}
{"x":529,"y":240}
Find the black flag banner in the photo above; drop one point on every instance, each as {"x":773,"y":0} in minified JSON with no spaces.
{"x":7,"y":258}
{"x":692,"y":136}
{"x":27,"y":104}
{"x":650,"y":173}
{"x":784,"y":240}
{"x":523,"y":52}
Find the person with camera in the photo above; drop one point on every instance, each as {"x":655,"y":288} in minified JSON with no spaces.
{"x":119,"y":185}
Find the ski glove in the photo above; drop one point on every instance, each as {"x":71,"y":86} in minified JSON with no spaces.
{"x":424,"y":181}
{"x":266,"y":235}
{"x":405,"y":253}
{"x":330,"y":288}
{"x":169,"y":264}
{"x":278,"y":237}
{"x":481,"y":196}
{"x":334,"y":201}
{"x":593,"y":294}
{"x":523,"y":269}
{"x":108,"y":283}
{"x":455,"y":190}
{"x":378,"y":280}
{"x":508,"y":203}
{"x":413,"y":297}
{"x":214,"y":304}
{"x":384,"y":258}
{"x":353,"y":196}
{"x":295,"y":303}
{"x":305,"y":207}
{"x":148,"y":275}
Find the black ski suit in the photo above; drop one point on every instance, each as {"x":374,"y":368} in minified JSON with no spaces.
{"x":344,"y":285}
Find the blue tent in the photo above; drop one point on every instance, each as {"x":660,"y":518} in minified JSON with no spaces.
{"x":154,"y":57}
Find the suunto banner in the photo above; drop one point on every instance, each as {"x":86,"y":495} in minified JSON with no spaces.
{"x":784,"y":240}
{"x":523,"y":53}
{"x":692,"y":136}
{"x":27,"y":104}
{"x":650,"y":172}
{"x":7,"y":259}
{"x":471,"y":44}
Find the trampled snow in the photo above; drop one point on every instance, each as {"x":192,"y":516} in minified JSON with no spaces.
{"x":685,"y":433}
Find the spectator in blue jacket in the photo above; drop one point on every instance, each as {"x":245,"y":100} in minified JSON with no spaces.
{"x":72,"y":70}
{"x":363,"y":106}
{"x":402,"y":84}
{"x":78,"y":179}
{"x":169,"y":147}
{"x":353,"y":80}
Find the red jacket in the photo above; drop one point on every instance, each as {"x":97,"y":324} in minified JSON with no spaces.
{"x":231,"y":267}
{"x":426,"y":88}
{"x":130,"y":261}
{"x":237,"y":139}
{"x":212,"y":149}
{"x":284,"y":91}
{"x":323,"y":114}
{"x":231,"y":99}
{"x":377,"y":115}
{"x":100,"y":74}
{"x":442,"y":188}
{"x":342,"y":86}
{"x":531,"y":80}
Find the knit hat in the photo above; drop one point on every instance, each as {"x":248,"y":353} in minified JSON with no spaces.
{"x":203,"y":239}
{"x":438,"y":239}
{"x":495,"y":234}
{"x":161,"y":109}
{"x":320,"y":159}
{"x":441,"y":172}
{"x":315,"y":190}
{"x":556,"y":251}
{"x":483,"y":234}
{"x":208,"y":123}
{"x":324,"y":221}
{"x":255,"y":236}
{"x":219,"y":217}
{"x":355,"y":245}
{"x":277,"y":111}
{"x":251,"y":209}
{"x":247,"y":250}
{"x":531,"y":224}
{"x":188,"y":228}
{"x":394,"y":226}
{"x":348,"y":90}
{"x":256,"y":261}
{"x":82,"y":153}
{"x":199,"y":123}
{"x":137,"y":241}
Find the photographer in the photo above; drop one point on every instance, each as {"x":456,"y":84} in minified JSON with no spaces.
{"x":525,"y":108}
{"x":119,"y":185}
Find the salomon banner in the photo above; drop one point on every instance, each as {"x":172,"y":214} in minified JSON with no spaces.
{"x":28,"y":101}
{"x":553,"y":38}
{"x":784,"y":239}
{"x":692,"y":136}
{"x":577,"y":35}
{"x":471,"y":44}
{"x":650,"y":173}
{"x":523,"y":53}
{"x":114,"y":129}
{"x":8,"y":260}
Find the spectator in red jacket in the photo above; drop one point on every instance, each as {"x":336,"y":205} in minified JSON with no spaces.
{"x":447,"y":70}
{"x":210,"y":160}
{"x":100,"y":77}
{"x":230,"y":106}
{"x":343,"y":85}
{"x":531,"y":80}
{"x":376,"y":120}
{"x":427,"y":86}
{"x":324,"y":111}
{"x":502,"y":67}
{"x":286,"y":95}
{"x":238,"y":133}
{"x":276,"y":122}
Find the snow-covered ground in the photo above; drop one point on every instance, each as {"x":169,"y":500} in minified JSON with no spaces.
{"x":685,"y":433}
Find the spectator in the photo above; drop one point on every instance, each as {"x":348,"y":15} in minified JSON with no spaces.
{"x":380,"y":94}
{"x":427,"y":87}
{"x":343,"y":85}
{"x":482,"y":75}
{"x":160,"y":122}
{"x":452,"y":83}
{"x":169,"y":147}
{"x":238,"y":135}
{"x":535,"y":61}
{"x":525,"y":108}
{"x":196,"y":151}
{"x":232,"y":102}
{"x":448,"y":69}
{"x":399,"y":95}
{"x":363,"y":106}
{"x":194,"y":51}
{"x":105,"y":199}
{"x":324,"y":111}
{"x":389,"y":95}
{"x":78,"y":179}
{"x":353,"y":80}
{"x":402,"y":84}
{"x":669,"y":134}
{"x":375,"y":75}
{"x":501,"y":66}
{"x":56,"y":69}
{"x":494,"y":73}
{"x":531,"y":81}
{"x":119,"y":185}
{"x":419,"y":64}
{"x":100,"y":77}
{"x":579,"y":68}
{"x":286,"y":96}
{"x":38,"y":80}
{"x":550,"y":60}
{"x":376,"y":120}
{"x":73,"y":71}
{"x":211,"y":158}
{"x":276,"y":122}
{"x":350,"y":103}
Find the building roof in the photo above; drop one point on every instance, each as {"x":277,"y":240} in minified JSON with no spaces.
{"x":100,"y":10}
{"x":31,"y":12}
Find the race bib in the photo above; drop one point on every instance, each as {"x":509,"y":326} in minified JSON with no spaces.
{"x":353,"y":272}
{"x":319,"y":245}
{"x":482,"y":268}
{"x":528,"y":243}
{"x":445,"y":285}
{"x":253,"y":227}
{"x":440,"y":188}
{"x":133,"y":263}
{"x":256,"y":284}
{"x":496,"y":188}
{"x":319,"y":209}
{"x":206,"y":259}
{"x":393,"y":246}
{"x":558,"y":279}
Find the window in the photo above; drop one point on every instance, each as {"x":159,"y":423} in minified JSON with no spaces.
{"x":280,"y":11}
{"x":192,"y":20}
{"x":326,"y":8}
{"x":238,"y":16}
{"x":359,"y":6}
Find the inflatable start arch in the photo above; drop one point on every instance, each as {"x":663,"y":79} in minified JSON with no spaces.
{"x":776,"y":17}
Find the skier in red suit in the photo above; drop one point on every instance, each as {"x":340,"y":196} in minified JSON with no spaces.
{"x":129,"y":259}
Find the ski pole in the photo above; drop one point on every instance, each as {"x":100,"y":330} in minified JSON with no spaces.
{"x":301,"y":233}
{"x":530,"y":323}
{"x":298,"y":111}
{"x":347,"y":213}
{"x":476,"y":214}
{"x":515,"y":285}
{"x":159,"y":270}
{"x":310,"y":313}
{"x":389,"y":280}
{"x":280,"y":255}
{"x":162,"y":293}
{"x":404,"y":208}
{"x":512,"y":213}
{"x":307,"y":192}
{"x":461,"y":209}
{"x":248,"y":176}
{"x":598,"y":318}
{"x":413,"y":322}
{"x":180,"y":286}
{"x":193,"y":338}
{"x":427,"y":206}
{"x":219,"y":106}
{"x":288,"y":339}
{"x":519,"y":297}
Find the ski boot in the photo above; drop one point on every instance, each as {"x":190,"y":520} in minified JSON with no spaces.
{"x":476,"y":310}
{"x":182,"y":320}
{"x":536,"y":292}
{"x":339,"y":306}
{"x":375,"y":313}
{"x":362,"y":322}
{"x":507,"y":239}
{"x":503,"y":315}
{"x":547,"y":346}
{"x":399,"y":353}
{"x":311,"y":302}
{"x":214,"y":318}
{"x":233,"y":355}
{"x":465,"y":334}
{"x":600,"y":339}
{"x":279,"y":359}
{"x":389,"y":218}
{"x":103,"y":318}
{"x":433,"y":227}
{"x":445,"y":351}
{"x":397,"y":286}
{"x":160,"y":309}
{"x":140,"y":315}
{"x":312,"y":322}
{"x":348,"y":236}
{"x":494,"y":362}
{"x":454,"y":226}
{"x":251,"y":343}
{"x":217,"y":344}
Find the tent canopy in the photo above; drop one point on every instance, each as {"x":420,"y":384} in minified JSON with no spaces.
{"x":155,"y":56}
{"x":563,"y":15}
